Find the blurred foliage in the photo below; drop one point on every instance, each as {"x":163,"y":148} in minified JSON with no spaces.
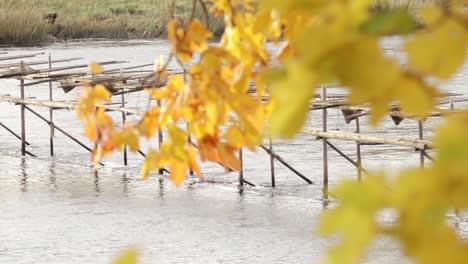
{"x":318,"y":41}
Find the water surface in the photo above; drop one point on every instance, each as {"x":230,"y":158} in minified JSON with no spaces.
{"x":53,"y":210}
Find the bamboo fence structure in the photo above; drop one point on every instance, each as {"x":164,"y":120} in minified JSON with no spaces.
{"x":124,"y":80}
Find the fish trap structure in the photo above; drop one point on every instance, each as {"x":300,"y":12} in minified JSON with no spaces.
{"x":121,"y":81}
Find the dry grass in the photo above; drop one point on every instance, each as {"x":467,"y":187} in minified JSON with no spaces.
{"x":411,"y":4}
{"x":21,"y":21}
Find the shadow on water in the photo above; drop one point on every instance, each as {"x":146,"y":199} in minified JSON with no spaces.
{"x":161,"y":192}
{"x":125,"y":184}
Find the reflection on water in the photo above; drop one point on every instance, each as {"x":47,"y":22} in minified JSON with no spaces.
{"x":54,"y":210}
{"x":24,"y":175}
{"x":61,"y":213}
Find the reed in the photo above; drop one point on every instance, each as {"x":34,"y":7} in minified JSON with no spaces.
{"x":19,"y":27}
{"x":22,"y":22}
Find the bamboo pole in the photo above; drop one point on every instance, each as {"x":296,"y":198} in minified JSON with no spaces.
{"x":29,"y":72}
{"x":429,"y":157}
{"x":324,"y":144}
{"x":189,"y":142}
{"x":23,"y":124}
{"x":65,"y":105}
{"x":248,"y":183}
{"x":20,"y":56}
{"x":12,"y":132}
{"x":11,"y":65}
{"x":124,"y":120}
{"x":345,"y":157}
{"x":364,"y":139}
{"x":241,"y":170}
{"x":272,"y":164}
{"x":281,"y":160}
{"x":358,"y":151}
{"x":421,"y":137}
{"x":160,"y":137}
{"x":59,"y":129}
{"x":51,"y":112}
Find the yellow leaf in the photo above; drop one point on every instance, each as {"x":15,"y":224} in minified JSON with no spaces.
{"x":430,"y":15}
{"x":290,"y":91}
{"x":440,"y":51}
{"x":159,"y":64}
{"x":171,"y":33}
{"x":193,"y":164}
{"x":234,"y":137}
{"x":198,"y":35}
{"x":95,"y":68}
{"x":415,"y":97}
{"x":159,"y":93}
{"x":227,"y":157}
{"x":178,"y":171}
{"x":100,"y":92}
{"x":102,"y":118}
{"x":178,"y":135}
{"x":379,"y":110}
{"x":151,"y":163}
{"x":128,"y":256}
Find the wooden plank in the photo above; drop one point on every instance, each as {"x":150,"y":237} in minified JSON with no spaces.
{"x":365,"y":139}
{"x":65,"y":105}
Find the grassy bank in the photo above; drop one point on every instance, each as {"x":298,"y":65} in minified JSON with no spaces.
{"x":22,"y":22}
{"x":413,"y":4}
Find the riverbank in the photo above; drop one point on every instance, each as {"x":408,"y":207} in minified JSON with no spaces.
{"x":25,"y":23}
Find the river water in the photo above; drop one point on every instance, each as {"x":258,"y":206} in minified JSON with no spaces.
{"x":53,"y":210}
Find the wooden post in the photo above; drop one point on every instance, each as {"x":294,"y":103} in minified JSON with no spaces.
{"x":272,"y":165}
{"x":358,"y":152}
{"x":421,"y":137}
{"x":51,"y":111}
{"x":241,"y":170}
{"x":324,"y":145}
{"x":281,"y":160}
{"x":452,"y":104}
{"x":189,"y":141}
{"x":23,"y":125}
{"x":12,"y":132}
{"x":160,"y":138}
{"x":124,"y":120}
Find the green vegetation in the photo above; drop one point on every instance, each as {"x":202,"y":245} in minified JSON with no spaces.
{"x":23,"y":22}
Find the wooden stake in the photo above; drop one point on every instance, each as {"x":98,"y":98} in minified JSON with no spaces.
{"x":160,"y":138}
{"x":12,"y":132}
{"x":23,"y":125}
{"x":189,"y":141}
{"x":421,"y":137}
{"x":241,"y":170}
{"x":59,"y":129}
{"x":324,"y":140}
{"x":281,"y":160}
{"x":51,"y":111}
{"x":124,"y":120}
{"x":370,"y":140}
{"x":272,"y":165}
{"x":358,"y":152}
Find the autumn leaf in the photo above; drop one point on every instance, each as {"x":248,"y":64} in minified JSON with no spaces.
{"x":440,"y":58}
{"x":129,"y":256}
{"x":95,"y":68}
